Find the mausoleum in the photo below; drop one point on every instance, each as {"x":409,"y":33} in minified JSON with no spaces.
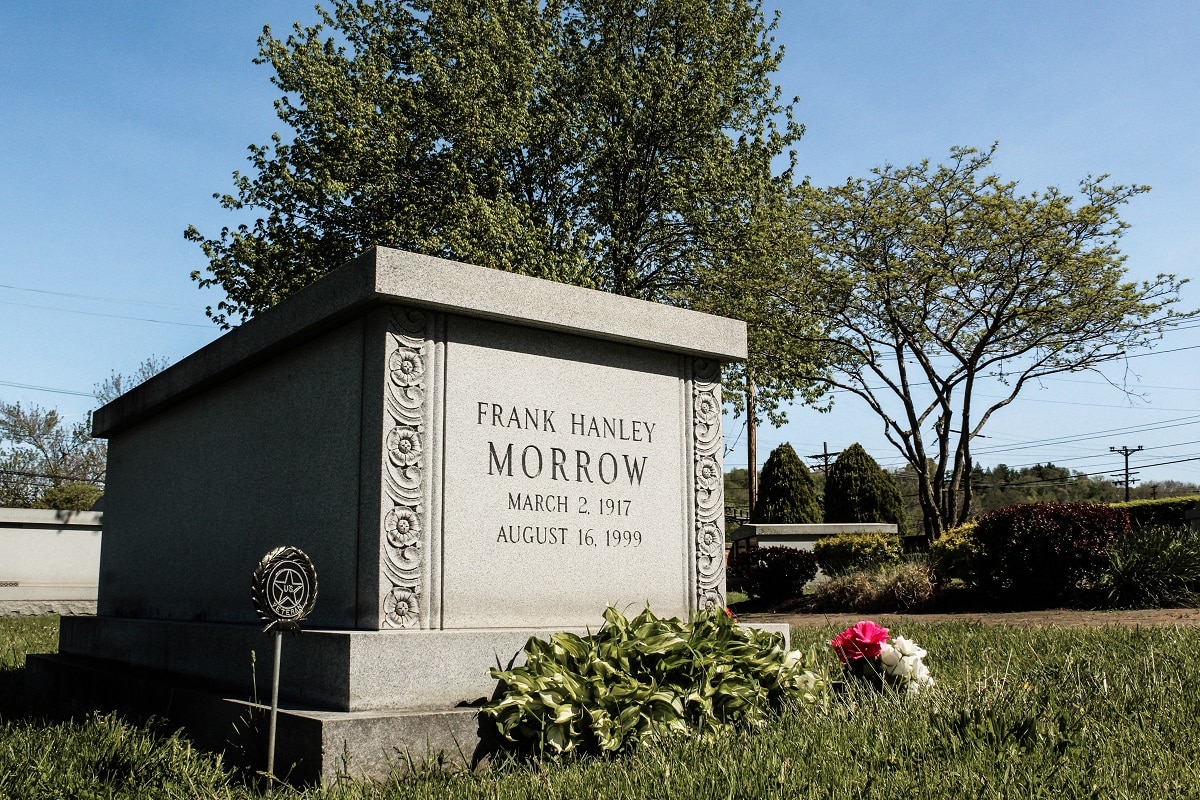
{"x":469,"y":457}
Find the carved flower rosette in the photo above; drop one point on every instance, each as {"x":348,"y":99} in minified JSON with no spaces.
{"x":404,"y":451}
{"x":709,"y":489}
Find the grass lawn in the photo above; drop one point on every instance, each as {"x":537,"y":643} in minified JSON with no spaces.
{"x":1017,"y":713}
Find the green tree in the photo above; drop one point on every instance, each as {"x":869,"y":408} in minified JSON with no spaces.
{"x":787,"y":494}
{"x":1003,"y":486}
{"x":620,"y":144}
{"x":737,"y":493}
{"x":39,"y":453}
{"x":857,"y":489}
{"x":70,"y":497}
{"x":624,"y":145}
{"x":942,"y":285}
{"x":45,"y":463}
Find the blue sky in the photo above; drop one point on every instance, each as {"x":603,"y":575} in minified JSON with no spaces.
{"x":123,"y":118}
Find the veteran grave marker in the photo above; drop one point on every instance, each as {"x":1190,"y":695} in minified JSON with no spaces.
{"x":472,"y":456}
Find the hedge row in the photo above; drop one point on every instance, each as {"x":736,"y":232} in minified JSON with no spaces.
{"x":1169,"y":511}
{"x":853,"y":552}
{"x":1047,"y":554}
{"x":772,"y":573}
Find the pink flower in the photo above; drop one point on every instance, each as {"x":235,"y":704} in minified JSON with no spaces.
{"x":861,"y":640}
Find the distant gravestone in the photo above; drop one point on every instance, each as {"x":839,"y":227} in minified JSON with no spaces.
{"x":471,"y":456}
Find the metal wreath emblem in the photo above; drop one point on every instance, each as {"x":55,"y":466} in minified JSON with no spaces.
{"x":284,"y":588}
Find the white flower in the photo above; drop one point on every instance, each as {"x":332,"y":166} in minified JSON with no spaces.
{"x":919,"y":680}
{"x":921,"y":675}
{"x":907,"y":647}
{"x":902,"y":664}
{"x":889,"y":656}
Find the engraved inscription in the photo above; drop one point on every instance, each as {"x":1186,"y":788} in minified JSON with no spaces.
{"x":567,"y":470}
{"x":570,"y":464}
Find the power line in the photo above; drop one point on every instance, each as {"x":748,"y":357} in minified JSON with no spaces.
{"x":825,"y":455}
{"x":23,"y":474}
{"x":1083,"y":437}
{"x":153,"y":303}
{"x":1123,"y":407}
{"x":1063,"y":481}
{"x":1144,"y":427}
{"x":1069,"y":478}
{"x":1030,"y":444}
{"x":729,"y":448}
{"x":1138,"y":387}
{"x":1059,"y":461}
{"x":1127,"y":452}
{"x":111,"y":316}
{"x":1163,"y":352}
{"x":46,"y":389}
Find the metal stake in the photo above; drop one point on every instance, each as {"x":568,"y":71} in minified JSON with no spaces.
{"x":274,"y":707}
{"x":284,"y":591}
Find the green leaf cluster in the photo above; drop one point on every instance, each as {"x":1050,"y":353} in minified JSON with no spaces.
{"x":40,"y":454}
{"x":44,"y":463}
{"x":647,"y":678}
{"x":640,"y":147}
{"x":70,"y":497}
{"x":895,"y":588}
{"x":772,"y":574}
{"x":1152,"y":567}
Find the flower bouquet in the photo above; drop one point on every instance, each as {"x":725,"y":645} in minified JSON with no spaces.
{"x":867,"y":654}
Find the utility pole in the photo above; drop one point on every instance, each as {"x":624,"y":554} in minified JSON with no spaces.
{"x":825,"y":455}
{"x":751,"y":446}
{"x":1125,"y":451}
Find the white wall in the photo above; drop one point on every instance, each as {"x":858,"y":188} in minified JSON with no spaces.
{"x":49,"y":561}
{"x":804,"y":537}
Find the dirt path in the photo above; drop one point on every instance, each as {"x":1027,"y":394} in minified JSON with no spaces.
{"x":1063,"y":618}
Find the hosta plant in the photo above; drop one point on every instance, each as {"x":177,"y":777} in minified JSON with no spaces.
{"x":647,"y":677}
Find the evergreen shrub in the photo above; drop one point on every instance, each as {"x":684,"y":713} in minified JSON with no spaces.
{"x":1152,"y":567}
{"x":857,"y":489}
{"x":772,"y":574}
{"x":786,"y":492}
{"x":1168,"y":511}
{"x":955,"y":554}
{"x":1043,"y":554}
{"x":844,"y":553}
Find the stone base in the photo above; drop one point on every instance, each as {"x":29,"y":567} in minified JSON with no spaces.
{"x":38,"y":608}
{"x":357,"y":703}
{"x":331,"y":670}
{"x":311,"y":746}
